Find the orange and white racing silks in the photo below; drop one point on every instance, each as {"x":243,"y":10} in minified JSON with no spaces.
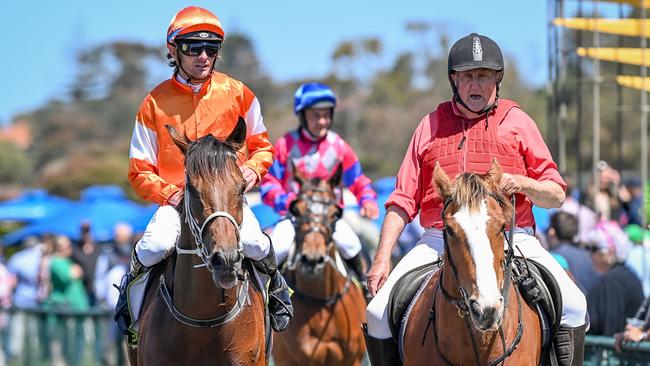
{"x":156,"y":168}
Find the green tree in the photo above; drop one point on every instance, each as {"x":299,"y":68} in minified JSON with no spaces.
{"x":15,"y":165}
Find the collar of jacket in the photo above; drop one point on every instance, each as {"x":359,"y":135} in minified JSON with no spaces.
{"x":457,"y":112}
{"x":184,"y":87}
{"x":305,"y":135}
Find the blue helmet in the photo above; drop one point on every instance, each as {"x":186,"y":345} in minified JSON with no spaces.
{"x":313,"y":95}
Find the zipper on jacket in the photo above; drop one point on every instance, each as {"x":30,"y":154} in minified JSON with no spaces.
{"x":461,"y":146}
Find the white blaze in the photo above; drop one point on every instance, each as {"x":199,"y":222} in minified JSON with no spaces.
{"x":474,"y":224}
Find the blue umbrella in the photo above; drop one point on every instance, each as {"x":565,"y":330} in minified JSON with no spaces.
{"x":32,"y":205}
{"x":102,"y":207}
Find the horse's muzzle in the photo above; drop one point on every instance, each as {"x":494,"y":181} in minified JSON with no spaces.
{"x":225,"y":268}
{"x":311,"y":267}
{"x":486,"y":318}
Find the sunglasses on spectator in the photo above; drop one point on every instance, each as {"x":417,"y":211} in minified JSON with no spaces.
{"x":196,"y":48}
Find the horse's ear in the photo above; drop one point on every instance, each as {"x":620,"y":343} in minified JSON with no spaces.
{"x":494,"y":174}
{"x":297,"y":174}
{"x":335,"y":179}
{"x":238,"y":135}
{"x":442,"y":181}
{"x":180,"y":140}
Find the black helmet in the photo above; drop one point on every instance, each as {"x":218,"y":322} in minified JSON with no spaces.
{"x":474,"y":52}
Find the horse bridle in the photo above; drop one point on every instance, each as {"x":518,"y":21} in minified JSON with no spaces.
{"x":462,"y":305}
{"x":319,"y":223}
{"x":198,"y":231}
{"x":243,"y":296}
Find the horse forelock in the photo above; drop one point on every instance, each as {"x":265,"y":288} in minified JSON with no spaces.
{"x":469,"y":190}
{"x":207,"y":157}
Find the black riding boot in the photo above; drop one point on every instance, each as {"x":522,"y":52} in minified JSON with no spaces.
{"x":356,"y":264}
{"x":570,"y":345}
{"x":280,"y":305}
{"x":122,"y":316}
{"x":382,"y":352}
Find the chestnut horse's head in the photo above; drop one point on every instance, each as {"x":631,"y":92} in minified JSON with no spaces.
{"x":213,"y":201}
{"x":315,"y":212}
{"x":475,"y":215}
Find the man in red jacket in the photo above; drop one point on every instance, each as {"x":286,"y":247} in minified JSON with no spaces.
{"x":463,"y":135}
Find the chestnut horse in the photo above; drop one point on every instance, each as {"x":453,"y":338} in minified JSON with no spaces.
{"x":463,"y":316}
{"x":328,"y":306}
{"x":202,"y":308}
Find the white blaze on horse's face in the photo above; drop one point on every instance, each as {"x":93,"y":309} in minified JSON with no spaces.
{"x":474,"y":224}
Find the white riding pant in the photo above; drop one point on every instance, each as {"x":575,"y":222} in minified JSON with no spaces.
{"x":162,"y":232}
{"x":574,"y":303}
{"x":345,"y":239}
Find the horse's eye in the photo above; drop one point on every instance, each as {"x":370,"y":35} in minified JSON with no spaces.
{"x":449,"y":231}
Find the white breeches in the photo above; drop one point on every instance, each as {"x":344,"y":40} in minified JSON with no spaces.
{"x":574,"y":309}
{"x":345,"y":239}
{"x":163,"y":230}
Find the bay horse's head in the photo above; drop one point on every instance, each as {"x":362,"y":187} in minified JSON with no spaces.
{"x":213,"y":201}
{"x":315,"y":212}
{"x":475,"y":215}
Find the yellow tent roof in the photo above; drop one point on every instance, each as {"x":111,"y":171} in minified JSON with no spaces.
{"x":637,"y":3}
{"x":624,"y":27}
{"x":635,"y":82}
{"x":631,"y":56}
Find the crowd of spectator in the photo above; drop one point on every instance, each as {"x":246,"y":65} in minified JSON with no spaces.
{"x":63,"y":284}
{"x":598,"y":238}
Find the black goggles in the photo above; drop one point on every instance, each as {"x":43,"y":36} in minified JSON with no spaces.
{"x":196,"y":48}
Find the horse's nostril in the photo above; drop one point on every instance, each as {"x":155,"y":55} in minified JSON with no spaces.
{"x":475,"y":308}
{"x":321,"y":260}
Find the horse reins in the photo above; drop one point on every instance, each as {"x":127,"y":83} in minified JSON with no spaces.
{"x":463,"y":304}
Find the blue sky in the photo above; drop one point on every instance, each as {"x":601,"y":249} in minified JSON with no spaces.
{"x":293,"y":39}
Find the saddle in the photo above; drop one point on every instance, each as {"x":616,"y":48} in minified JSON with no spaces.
{"x":166,"y":267}
{"x":543,"y":294}
{"x":403,"y":293}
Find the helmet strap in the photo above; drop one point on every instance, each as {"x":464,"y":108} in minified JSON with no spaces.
{"x":303,"y":124}
{"x":486,"y":110}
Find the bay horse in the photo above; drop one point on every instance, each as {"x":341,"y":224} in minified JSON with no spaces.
{"x":328,"y":307}
{"x":202,"y":308}
{"x":463,"y":316}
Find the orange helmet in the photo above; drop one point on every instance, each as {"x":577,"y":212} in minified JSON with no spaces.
{"x":195,"y":23}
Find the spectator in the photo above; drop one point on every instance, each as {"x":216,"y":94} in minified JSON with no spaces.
{"x":67,"y":295}
{"x":618,"y":293}
{"x":25,"y":266}
{"x":562,"y":235}
{"x":587,"y":218}
{"x":636,"y":329}
{"x":86,"y":254}
{"x":633,"y":205}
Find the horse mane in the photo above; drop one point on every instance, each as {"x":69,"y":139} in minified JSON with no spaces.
{"x":206,"y":156}
{"x":471,"y":189}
